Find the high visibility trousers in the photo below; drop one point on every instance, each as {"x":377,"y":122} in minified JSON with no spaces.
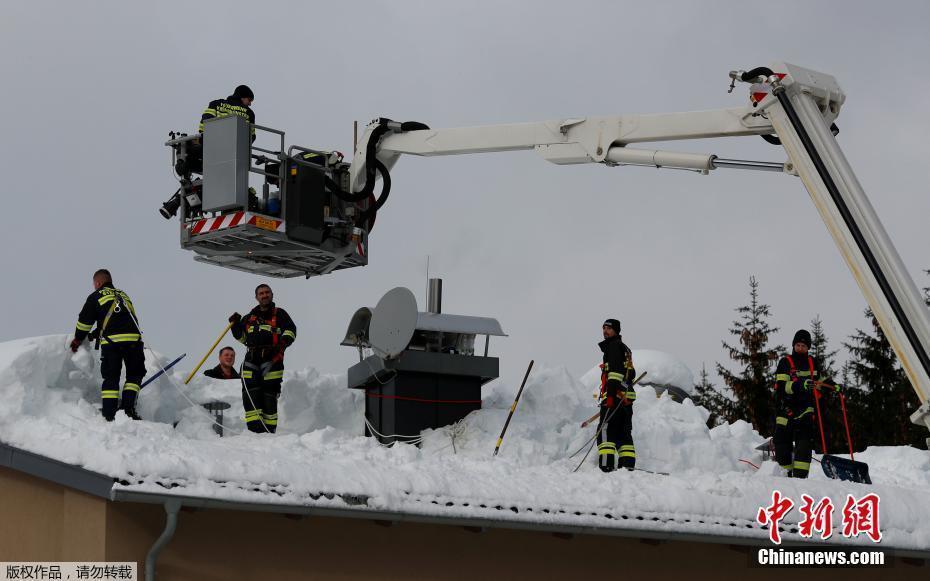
{"x":615,"y":440}
{"x":260,"y":394}
{"x":112,"y":358}
{"x":793,"y":441}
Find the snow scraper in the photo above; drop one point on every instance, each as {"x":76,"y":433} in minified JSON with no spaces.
{"x":513,"y":408}
{"x":162,"y":370}
{"x":834,"y":466}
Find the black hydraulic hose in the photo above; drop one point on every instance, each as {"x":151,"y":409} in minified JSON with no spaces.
{"x":413,"y":126}
{"x":369,"y":214}
{"x":361,"y":196}
{"x":750,"y":76}
{"x":756,"y":72}
{"x":854,"y":229}
{"x":373,"y":165}
{"x":774,"y":140}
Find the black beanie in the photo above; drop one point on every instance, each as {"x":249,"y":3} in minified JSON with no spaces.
{"x":243,"y":92}
{"x":613,"y":324}
{"x":802,"y":336}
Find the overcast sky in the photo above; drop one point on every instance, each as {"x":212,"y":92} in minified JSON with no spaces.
{"x":90,"y":91}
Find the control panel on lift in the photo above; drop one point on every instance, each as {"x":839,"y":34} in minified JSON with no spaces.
{"x":295,"y":220}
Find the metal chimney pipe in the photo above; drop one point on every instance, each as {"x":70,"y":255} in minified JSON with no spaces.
{"x":434,"y":298}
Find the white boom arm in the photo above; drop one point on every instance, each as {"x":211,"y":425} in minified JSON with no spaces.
{"x":579,"y":140}
{"x":797,"y":104}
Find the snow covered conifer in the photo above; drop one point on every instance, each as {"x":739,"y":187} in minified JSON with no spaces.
{"x":751,"y":386}
{"x":712,"y":399}
{"x":832,"y":416}
{"x":820,"y":348}
{"x":881,"y":405}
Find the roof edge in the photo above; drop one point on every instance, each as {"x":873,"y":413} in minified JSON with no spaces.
{"x":69,"y":475}
{"x":737,"y":542}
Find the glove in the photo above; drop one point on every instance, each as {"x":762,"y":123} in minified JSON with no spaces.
{"x":75,"y":343}
{"x":235,"y":318}
{"x":278,"y":356}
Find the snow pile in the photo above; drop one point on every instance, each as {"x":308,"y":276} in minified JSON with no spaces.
{"x":661,"y":369}
{"x":50,"y":398}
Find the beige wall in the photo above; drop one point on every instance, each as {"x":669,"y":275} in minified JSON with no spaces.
{"x":41,"y":521}
{"x":54,"y":524}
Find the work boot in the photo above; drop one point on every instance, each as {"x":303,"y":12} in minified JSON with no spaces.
{"x":131,"y":412}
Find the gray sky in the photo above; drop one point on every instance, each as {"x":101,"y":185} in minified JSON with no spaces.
{"x":92,"y":89}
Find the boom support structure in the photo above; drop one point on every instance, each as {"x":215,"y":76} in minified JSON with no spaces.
{"x":796,"y":104}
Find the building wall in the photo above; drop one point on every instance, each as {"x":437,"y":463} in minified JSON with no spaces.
{"x":55,"y":524}
{"x":42,"y":521}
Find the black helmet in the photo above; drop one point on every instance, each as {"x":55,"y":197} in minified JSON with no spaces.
{"x":243,"y":92}
{"x":802,"y":336}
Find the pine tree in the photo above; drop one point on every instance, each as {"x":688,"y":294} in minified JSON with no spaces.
{"x":881,"y":405}
{"x":831,"y":414}
{"x":751,"y":386}
{"x":820,"y":349}
{"x":710,"y":398}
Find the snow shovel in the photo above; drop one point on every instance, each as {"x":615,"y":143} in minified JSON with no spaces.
{"x":834,"y":466}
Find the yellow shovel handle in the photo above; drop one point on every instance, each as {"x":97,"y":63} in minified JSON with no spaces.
{"x":212,"y":347}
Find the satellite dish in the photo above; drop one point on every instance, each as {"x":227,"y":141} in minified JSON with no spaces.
{"x":393,"y":322}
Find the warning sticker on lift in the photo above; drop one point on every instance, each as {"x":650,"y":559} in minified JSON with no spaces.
{"x":266,"y":223}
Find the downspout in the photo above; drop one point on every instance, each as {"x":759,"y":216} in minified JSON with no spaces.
{"x":171,"y":523}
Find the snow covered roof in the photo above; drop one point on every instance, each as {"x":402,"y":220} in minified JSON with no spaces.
{"x":321,"y":461}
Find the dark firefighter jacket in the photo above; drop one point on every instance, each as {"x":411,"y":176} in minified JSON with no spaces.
{"x":270,"y":328}
{"x":616,"y":369}
{"x":119,"y":327}
{"x":217,"y":373}
{"x":220,"y":108}
{"x":791,"y":398}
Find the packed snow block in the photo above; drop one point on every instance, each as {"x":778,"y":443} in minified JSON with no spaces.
{"x":419,"y":390}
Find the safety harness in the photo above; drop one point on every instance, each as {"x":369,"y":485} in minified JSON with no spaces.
{"x":115,"y":308}
{"x":270,"y":325}
{"x":793,"y":376}
{"x":626,"y":393}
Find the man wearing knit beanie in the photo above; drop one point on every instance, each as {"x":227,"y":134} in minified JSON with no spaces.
{"x":239,"y":104}
{"x":615,"y":433}
{"x":796,"y":375}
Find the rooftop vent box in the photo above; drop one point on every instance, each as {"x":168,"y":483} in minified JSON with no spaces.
{"x":419,"y":370}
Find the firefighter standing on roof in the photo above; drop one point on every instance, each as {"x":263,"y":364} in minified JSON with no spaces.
{"x":615,"y":432}
{"x":120,"y":340}
{"x":796,"y":379}
{"x":266,"y":331}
